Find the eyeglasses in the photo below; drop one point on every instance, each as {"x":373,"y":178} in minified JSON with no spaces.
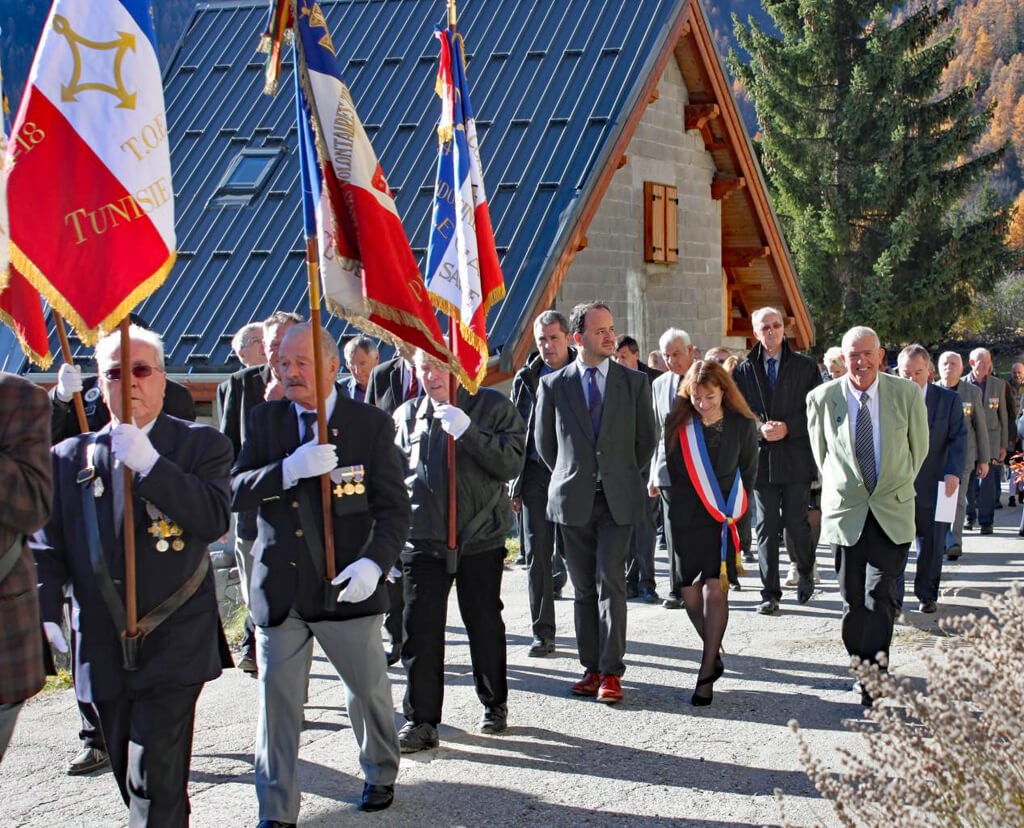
{"x":138,"y":371}
{"x":247,"y":342}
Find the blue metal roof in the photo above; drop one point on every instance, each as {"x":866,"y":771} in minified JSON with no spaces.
{"x":552,"y":84}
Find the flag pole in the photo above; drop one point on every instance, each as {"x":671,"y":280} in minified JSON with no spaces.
{"x":131,"y":609}
{"x":452,"y":557}
{"x":65,"y":350}
{"x":313,"y":272}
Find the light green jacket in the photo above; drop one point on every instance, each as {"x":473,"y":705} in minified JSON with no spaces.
{"x":844,"y":497}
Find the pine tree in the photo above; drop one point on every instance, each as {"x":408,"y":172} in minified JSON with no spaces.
{"x":888,"y":217}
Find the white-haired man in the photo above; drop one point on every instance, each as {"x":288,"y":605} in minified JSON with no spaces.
{"x":867,"y":495}
{"x":982,"y":493}
{"x":361,"y":357}
{"x":677,"y":351}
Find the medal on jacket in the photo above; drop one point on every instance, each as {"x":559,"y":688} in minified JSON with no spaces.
{"x":348,"y":481}
{"x":166,"y":533}
{"x":97,"y":487}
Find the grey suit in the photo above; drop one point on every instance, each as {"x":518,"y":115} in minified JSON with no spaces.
{"x":663,"y":391}
{"x":977,"y":450}
{"x":982,"y":494}
{"x":596,"y":494}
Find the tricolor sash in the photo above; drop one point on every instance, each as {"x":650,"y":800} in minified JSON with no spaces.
{"x":702,"y":476}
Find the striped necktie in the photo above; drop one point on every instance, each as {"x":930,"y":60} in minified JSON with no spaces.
{"x":864,"y":444}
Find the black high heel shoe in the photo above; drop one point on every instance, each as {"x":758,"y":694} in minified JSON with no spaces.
{"x":719,"y":669}
{"x":703,"y":701}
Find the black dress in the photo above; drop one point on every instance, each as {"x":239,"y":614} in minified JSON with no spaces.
{"x":696,"y":537}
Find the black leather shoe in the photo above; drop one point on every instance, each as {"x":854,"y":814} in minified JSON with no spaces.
{"x":632,"y":592}
{"x":672,"y":603}
{"x":87,"y":761}
{"x":986,"y":529}
{"x":413,"y":737}
{"x":377,"y":797}
{"x":804,"y":591}
{"x":273,"y":823}
{"x":769,"y":607}
{"x":969,"y":526}
{"x":649,"y":596}
{"x":865,"y":698}
{"x":495,"y":719}
{"x":541,"y":647}
{"x":953,"y":552}
{"x":928,"y":606}
{"x":393,"y":655}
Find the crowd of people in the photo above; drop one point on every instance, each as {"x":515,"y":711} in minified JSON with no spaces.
{"x":597,"y":460}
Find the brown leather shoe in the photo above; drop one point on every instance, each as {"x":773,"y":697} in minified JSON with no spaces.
{"x":610,"y":691}
{"x":588,"y":685}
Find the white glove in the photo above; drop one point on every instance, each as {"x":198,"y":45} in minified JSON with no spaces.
{"x":309,"y":460}
{"x":394,"y":574}
{"x":133,"y":448}
{"x":453,"y":419}
{"x":55,"y":636}
{"x":362,"y":575}
{"x":69,"y":380}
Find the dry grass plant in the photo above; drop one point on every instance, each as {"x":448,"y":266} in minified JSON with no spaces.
{"x":950,"y":755}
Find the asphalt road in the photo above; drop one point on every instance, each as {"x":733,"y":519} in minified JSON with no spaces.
{"x":651,"y":761}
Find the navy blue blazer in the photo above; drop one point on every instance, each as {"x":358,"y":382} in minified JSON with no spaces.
{"x":189,"y":483}
{"x":373,"y":525}
{"x":947,"y":442}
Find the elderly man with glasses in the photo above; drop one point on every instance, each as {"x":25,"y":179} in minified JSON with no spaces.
{"x":179,"y":501}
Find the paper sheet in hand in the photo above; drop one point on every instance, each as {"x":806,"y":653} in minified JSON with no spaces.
{"x":945,"y":507}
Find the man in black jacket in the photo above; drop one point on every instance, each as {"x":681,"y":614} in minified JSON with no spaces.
{"x":530,"y":489}
{"x":290,"y":599}
{"x":490,"y":447}
{"x":775,"y":381}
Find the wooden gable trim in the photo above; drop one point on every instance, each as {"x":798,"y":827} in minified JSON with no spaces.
{"x":729,"y":119}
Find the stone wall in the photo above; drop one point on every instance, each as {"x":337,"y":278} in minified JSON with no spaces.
{"x":645,"y":299}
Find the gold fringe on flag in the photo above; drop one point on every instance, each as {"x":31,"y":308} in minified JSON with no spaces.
{"x":273,"y":41}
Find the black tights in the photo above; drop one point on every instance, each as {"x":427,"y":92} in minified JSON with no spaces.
{"x":708,"y":607}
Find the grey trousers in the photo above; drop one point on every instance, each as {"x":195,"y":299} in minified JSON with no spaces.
{"x":8,"y":716}
{"x":243,"y":560}
{"x":961,"y":508}
{"x":284,"y":654}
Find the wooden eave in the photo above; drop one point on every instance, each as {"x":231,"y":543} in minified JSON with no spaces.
{"x":757,"y":266}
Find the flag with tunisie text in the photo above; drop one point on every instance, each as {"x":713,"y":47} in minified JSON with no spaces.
{"x":90,"y":194}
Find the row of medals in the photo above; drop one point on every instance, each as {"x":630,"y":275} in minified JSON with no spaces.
{"x":351,"y":482}
{"x":167,"y":532}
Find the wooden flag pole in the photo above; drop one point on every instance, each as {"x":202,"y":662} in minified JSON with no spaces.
{"x":65,"y":350}
{"x":131,"y":606}
{"x":452,"y":558}
{"x":313,"y":271}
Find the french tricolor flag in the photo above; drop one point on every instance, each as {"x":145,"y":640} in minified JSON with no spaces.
{"x":463,"y":274}
{"x":90,"y":193}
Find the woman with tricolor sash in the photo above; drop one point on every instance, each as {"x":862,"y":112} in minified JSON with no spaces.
{"x":711,"y":446}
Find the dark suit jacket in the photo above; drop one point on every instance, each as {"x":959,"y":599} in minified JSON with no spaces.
{"x":245,"y":392}
{"x":189,"y":483}
{"x":178,"y":403}
{"x":285,"y":573}
{"x":947,"y":442}
{"x":565,"y":441}
{"x":789,"y":460}
{"x":386,"y":385}
{"x":26,"y":483}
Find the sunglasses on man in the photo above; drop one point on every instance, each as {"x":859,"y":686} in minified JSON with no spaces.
{"x":138,"y":371}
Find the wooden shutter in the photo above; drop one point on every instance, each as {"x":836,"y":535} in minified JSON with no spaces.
{"x":654,"y":222}
{"x":671,"y":224}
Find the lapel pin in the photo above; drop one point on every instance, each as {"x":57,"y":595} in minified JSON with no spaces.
{"x":334,"y":432}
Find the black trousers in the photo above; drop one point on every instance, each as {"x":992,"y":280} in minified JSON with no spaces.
{"x":539,"y":540}
{"x":596,"y":555}
{"x":868,"y":573}
{"x":778,"y":507}
{"x":478,"y":586}
{"x":640,"y":566}
{"x":149,"y":741}
{"x":91,"y":734}
{"x":675,"y":584}
{"x":393,"y":619}
{"x":931,"y":541}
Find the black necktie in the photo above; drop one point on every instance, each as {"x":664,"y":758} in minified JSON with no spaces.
{"x":308,"y":424}
{"x":772,"y":373}
{"x":864,"y":445}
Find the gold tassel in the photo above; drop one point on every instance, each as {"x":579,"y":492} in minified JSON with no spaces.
{"x":723,"y":577}
{"x":739,"y":564}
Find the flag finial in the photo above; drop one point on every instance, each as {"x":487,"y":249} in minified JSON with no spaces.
{"x":452,"y":14}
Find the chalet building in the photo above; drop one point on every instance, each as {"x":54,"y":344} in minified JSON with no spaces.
{"x":616,"y":163}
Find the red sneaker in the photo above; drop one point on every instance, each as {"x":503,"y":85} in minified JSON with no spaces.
{"x":588,"y":685}
{"x":610,"y":691}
